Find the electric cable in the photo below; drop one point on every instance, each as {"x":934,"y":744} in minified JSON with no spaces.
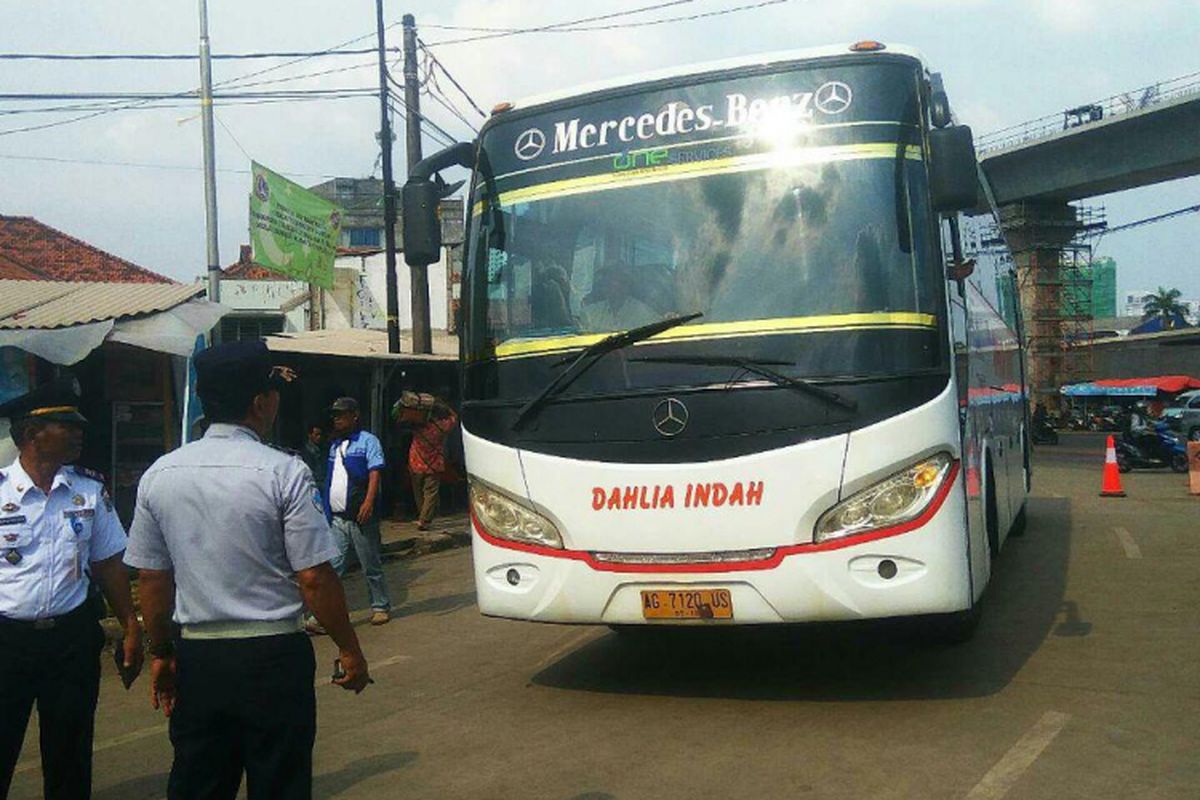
{"x":562,"y":27}
{"x":303,"y":54}
{"x":446,"y":72}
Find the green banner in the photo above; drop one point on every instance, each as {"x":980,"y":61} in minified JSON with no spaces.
{"x":293,"y":231}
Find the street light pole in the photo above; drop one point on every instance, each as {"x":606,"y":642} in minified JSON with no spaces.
{"x":389,"y":194}
{"x":210,"y":161}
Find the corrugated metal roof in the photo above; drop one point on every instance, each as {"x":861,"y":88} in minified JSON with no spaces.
{"x":56,"y":304}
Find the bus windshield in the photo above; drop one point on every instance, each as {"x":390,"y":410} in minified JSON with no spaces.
{"x":799,"y":222}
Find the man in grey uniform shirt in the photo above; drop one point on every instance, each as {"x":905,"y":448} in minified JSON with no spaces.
{"x":230,"y":535}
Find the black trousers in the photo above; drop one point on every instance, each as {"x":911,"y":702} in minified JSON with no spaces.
{"x":59,"y":669}
{"x":244,"y":705}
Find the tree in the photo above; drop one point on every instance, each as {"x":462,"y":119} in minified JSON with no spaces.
{"x":1165,"y":304}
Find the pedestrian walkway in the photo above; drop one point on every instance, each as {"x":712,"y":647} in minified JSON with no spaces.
{"x":401,"y":539}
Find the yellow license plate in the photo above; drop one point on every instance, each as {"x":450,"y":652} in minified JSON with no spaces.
{"x":687,"y":604}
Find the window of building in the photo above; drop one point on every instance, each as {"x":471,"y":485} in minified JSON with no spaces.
{"x":363,"y":237}
{"x":239,"y":329}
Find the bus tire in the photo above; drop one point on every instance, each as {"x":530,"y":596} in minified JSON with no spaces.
{"x":991,"y":517}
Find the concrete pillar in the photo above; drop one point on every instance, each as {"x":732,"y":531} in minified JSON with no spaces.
{"x":1036,"y":234}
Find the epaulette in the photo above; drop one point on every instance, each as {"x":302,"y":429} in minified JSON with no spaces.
{"x":88,"y":472}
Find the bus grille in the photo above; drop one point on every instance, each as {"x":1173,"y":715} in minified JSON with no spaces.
{"x":719,"y":557}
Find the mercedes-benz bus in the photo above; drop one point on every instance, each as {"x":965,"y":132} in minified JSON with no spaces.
{"x":723,"y":360}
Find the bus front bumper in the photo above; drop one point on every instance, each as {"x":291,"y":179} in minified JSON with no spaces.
{"x":928,"y":573}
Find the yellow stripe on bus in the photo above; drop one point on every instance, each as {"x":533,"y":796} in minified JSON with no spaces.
{"x":699,"y":169}
{"x":724,"y":330}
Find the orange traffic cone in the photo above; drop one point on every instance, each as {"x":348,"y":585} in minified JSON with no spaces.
{"x":1111,"y":487}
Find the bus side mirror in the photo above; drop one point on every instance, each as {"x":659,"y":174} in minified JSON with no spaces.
{"x":422,"y":228}
{"x":953,"y":170}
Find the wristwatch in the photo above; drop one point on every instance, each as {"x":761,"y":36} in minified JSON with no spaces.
{"x":164,"y":649}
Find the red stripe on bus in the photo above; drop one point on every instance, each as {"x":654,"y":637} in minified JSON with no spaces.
{"x":774,"y":560}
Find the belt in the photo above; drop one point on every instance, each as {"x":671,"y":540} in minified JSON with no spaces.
{"x":80,"y":613}
{"x":241,"y":629}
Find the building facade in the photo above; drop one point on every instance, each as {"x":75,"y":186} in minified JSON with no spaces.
{"x":265,"y":303}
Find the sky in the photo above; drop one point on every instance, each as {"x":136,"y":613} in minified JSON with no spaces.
{"x":1003,"y":63}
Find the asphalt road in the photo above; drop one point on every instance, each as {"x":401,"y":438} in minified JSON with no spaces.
{"x":1083,"y":681}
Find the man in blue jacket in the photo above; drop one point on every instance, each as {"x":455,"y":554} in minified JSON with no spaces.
{"x":351,"y":490}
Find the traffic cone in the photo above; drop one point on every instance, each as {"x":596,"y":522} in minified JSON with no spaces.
{"x":1111,"y":486}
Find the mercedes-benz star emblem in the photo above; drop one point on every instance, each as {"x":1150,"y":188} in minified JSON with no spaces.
{"x":833,"y":97}
{"x":530,"y":144}
{"x":670,"y":417}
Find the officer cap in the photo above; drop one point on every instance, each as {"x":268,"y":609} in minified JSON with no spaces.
{"x":228,"y":376}
{"x":343,"y":404}
{"x":56,"y":401}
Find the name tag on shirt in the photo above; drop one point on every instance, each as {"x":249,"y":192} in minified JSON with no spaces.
{"x":80,"y":513}
{"x":12,"y":520}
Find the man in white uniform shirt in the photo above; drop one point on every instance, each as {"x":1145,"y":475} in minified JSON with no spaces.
{"x":58,"y":532}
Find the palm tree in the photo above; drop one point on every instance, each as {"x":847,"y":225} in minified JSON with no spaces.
{"x":1165,"y":304}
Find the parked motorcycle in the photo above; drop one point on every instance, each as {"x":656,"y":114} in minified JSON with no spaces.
{"x":1043,"y":433}
{"x":1106,"y":419}
{"x":1075,"y":421}
{"x":1161,"y":449}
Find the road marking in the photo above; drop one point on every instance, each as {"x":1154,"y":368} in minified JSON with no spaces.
{"x":142,"y":733}
{"x":1009,"y":769}
{"x":570,"y":644}
{"x":1131,"y":548}
{"x":116,"y":741}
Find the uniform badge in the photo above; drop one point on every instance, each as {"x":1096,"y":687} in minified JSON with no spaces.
{"x":9,"y":507}
{"x":10,"y":537}
{"x":12,"y":557}
{"x":78,"y":500}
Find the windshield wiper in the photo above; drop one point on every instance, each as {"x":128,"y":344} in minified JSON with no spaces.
{"x":590,"y":355}
{"x":762,"y":369}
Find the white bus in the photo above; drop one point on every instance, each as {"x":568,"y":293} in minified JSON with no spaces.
{"x":721,"y":359}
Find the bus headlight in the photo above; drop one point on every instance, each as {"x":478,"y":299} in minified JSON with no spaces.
{"x":897,"y":499}
{"x":503,"y":517}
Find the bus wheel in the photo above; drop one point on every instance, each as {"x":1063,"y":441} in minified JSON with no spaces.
{"x":991,"y":517}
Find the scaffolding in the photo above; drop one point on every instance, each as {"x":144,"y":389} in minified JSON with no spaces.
{"x":1049,"y":253}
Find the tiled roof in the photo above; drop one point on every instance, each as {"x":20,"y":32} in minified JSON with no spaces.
{"x":247,"y":269}
{"x":59,"y":304}
{"x":33,"y":250}
{"x":11,"y":270}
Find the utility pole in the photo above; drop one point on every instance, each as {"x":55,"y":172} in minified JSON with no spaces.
{"x":389,"y":194}
{"x":419,"y":275}
{"x":210,"y":162}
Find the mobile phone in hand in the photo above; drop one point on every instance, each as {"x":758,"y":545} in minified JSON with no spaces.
{"x":119,"y":658}
{"x":338,"y":671}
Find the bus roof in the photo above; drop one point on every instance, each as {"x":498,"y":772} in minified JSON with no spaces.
{"x":761,"y":59}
